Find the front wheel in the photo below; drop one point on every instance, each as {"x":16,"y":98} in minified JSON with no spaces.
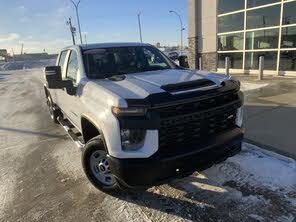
{"x":96,"y":166}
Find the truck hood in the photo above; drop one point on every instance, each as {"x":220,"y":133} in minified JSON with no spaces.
{"x":141,"y":85}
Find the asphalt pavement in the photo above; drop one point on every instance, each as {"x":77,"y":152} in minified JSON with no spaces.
{"x":270,"y":113}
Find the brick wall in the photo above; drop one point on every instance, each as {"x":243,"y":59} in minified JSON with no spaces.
{"x":192,"y":53}
{"x":209,"y":59}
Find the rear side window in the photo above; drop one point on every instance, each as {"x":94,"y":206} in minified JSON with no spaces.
{"x":62,"y":59}
{"x":72,"y":66}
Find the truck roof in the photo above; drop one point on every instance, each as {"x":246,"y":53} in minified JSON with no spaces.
{"x":107,"y":45}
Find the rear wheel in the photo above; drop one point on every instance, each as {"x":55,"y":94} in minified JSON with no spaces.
{"x":96,"y":166}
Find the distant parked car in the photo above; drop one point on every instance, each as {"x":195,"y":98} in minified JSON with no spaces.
{"x":183,"y":61}
{"x":173,"y":55}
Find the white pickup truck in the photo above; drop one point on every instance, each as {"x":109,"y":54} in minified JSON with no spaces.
{"x":139,"y":119}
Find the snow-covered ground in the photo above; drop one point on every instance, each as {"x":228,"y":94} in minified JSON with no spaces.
{"x":41,"y":177}
{"x":247,"y":86}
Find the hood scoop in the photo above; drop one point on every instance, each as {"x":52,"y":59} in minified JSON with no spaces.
{"x":189,"y":86}
{"x":117,"y":78}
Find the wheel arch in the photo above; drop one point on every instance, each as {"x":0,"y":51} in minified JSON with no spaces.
{"x":91,"y":129}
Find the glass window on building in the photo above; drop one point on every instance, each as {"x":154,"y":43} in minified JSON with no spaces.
{"x":263,"y":39}
{"x":231,"y":42}
{"x":255,"y":3}
{"x":225,"y":6}
{"x":252,"y":60}
{"x":229,"y":23}
{"x":288,"y":61}
{"x":236,"y":60}
{"x":289,"y":16}
{"x":263,"y":17}
{"x":289,"y":37}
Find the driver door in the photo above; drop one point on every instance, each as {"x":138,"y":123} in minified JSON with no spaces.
{"x":70,"y":102}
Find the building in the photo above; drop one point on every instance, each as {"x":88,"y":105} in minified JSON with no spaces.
{"x":243,"y":30}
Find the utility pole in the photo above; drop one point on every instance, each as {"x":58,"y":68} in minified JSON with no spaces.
{"x":182,"y":28}
{"x":72,"y":30}
{"x":140,"y":26}
{"x":76,"y":5}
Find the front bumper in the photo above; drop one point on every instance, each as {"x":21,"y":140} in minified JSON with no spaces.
{"x":160,"y":168}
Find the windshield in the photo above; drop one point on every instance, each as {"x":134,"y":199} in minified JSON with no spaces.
{"x":106,"y":62}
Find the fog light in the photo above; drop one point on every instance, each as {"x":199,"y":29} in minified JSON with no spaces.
{"x":132,"y":139}
{"x":239,"y":117}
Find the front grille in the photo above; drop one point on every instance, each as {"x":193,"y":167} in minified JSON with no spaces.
{"x":199,"y":105}
{"x":185,"y":126}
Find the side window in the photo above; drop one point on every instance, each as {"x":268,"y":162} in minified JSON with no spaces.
{"x":62,"y":59}
{"x":72,"y":68}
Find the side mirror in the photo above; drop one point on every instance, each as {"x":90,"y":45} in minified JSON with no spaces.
{"x":183,"y":61}
{"x":53,"y":77}
{"x":53,"y":73}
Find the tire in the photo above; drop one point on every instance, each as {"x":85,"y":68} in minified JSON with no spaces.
{"x":96,"y":166}
{"x":54,"y":113}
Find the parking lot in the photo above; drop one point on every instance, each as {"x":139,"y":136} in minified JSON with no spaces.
{"x":41,"y":177}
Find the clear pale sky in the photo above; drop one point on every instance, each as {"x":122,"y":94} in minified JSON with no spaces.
{"x":41,"y":24}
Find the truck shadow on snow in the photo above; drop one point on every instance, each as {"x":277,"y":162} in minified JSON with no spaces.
{"x":186,"y":200}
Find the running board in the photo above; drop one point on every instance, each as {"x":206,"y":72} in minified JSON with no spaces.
{"x":68,"y":127}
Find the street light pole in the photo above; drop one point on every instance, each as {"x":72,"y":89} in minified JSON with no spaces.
{"x":182,"y":28}
{"x":76,"y":5}
{"x":140,"y":26}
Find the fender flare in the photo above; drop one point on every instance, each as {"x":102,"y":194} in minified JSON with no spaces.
{"x":91,"y":120}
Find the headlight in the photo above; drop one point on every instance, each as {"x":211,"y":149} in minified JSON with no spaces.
{"x":131,"y":111}
{"x":132,"y":139}
{"x":239,"y":117}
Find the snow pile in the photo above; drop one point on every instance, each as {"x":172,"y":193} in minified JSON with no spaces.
{"x":19,"y":65}
{"x":270,"y":169}
{"x":246,"y":86}
{"x":257,"y":168}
